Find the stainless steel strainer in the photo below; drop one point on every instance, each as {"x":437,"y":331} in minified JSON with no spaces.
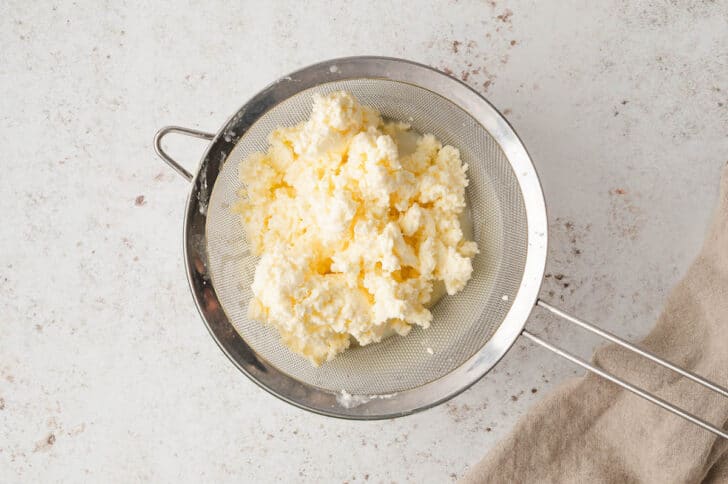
{"x":471,"y":330}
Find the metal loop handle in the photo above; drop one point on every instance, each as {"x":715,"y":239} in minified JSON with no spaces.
{"x":628,"y":386}
{"x":168,"y":159}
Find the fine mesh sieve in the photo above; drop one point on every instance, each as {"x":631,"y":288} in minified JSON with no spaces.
{"x":462,"y":323}
{"x":471,"y":330}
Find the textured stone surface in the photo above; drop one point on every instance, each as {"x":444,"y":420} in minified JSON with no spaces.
{"x":106,"y":371}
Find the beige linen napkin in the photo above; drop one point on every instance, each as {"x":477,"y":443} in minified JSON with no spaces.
{"x":590,"y":430}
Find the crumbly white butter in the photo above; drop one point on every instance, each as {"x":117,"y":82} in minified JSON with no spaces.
{"x":347,"y":400}
{"x":352,"y":230}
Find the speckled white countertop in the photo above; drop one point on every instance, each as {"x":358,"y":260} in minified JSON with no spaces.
{"x":107,"y":373}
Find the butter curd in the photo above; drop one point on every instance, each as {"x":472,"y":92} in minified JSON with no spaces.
{"x":353,"y":230}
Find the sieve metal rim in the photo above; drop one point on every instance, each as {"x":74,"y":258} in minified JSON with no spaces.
{"x":221,"y":329}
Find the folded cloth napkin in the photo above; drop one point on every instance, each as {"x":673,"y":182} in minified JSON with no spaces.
{"x":590,"y":430}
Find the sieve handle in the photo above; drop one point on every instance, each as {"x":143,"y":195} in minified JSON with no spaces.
{"x":628,"y":386}
{"x":168,"y":159}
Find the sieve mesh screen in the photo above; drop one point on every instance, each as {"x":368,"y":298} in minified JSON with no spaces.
{"x":462,"y":324}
